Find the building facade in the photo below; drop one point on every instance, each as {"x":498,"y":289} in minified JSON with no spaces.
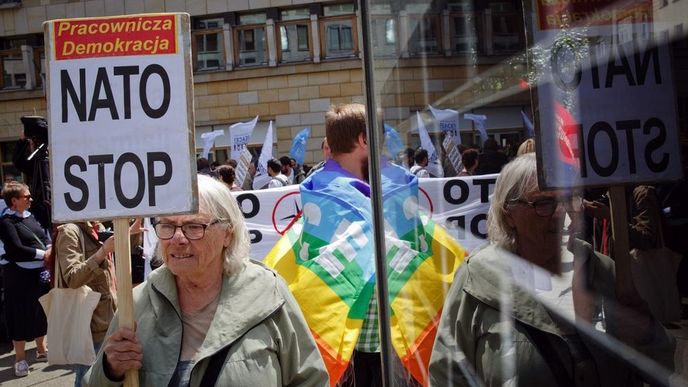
{"x":288,"y":61}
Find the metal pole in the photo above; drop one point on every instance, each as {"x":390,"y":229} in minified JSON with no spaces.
{"x":374,"y":144}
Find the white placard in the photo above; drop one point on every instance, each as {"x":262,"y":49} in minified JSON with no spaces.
{"x":606,"y":107}
{"x":120,"y":114}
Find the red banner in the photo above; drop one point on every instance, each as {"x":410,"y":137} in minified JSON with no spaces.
{"x":115,"y":36}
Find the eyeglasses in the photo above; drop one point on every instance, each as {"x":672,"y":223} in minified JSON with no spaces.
{"x":544,"y":207}
{"x":192,"y":231}
{"x":25,"y":197}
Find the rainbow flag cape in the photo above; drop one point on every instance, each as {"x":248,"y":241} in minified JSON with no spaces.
{"x":326,"y":257}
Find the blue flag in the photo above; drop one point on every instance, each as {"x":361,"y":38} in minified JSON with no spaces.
{"x":393,"y":141}
{"x":528,"y":124}
{"x":298,"y":145}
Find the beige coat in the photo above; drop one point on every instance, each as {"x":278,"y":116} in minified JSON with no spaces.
{"x":78,"y":268}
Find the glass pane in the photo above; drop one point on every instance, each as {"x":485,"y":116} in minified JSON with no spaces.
{"x":252,"y":18}
{"x":295,"y":14}
{"x":296,"y":37}
{"x":338,"y":9}
{"x":252,"y":46}
{"x":209,"y":51}
{"x":505,"y":149}
{"x":14,"y":71}
{"x":339,"y":38}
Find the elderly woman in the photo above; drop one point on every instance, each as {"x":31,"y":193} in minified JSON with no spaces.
{"x":539,"y":347}
{"x":209,"y":314}
{"x":26,"y":244}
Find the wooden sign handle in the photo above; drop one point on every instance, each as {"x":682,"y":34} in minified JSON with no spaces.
{"x":125,"y":299}
{"x":625,"y":288}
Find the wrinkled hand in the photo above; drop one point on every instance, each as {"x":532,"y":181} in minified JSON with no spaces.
{"x":123,"y":352}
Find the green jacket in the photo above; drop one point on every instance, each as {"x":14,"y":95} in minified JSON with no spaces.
{"x":270,"y":344}
{"x":469,"y":338}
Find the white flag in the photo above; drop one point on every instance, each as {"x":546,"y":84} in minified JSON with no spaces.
{"x":434,"y":166}
{"x":209,"y":140}
{"x":266,"y":152}
{"x":239,"y":134}
{"x":448,"y":121}
{"x":479,"y":120}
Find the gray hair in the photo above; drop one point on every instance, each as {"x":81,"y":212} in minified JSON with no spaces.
{"x":517,"y":178}
{"x":216,"y":198}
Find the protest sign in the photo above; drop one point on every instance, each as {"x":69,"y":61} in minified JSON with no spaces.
{"x":606,"y":97}
{"x":120,"y":110}
{"x":242,"y":167}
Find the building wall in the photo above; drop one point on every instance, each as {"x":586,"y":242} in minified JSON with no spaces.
{"x":294,"y":96}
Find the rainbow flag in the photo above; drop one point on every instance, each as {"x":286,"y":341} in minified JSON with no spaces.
{"x":326,"y":257}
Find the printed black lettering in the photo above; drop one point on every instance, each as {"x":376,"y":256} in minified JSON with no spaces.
{"x":102,"y":82}
{"x":100,"y":161}
{"x":143,"y":91}
{"x":126,"y":72}
{"x":464,"y":191}
{"x":603,"y":127}
{"x":475,"y":225}
{"x":155,"y":180}
{"x":78,"y":101}
{"x":628,"y":127}
{"x":655,"y":144}
{"x":76,"y":182}
{"x":140,"y":189}
{"x":255,"y":204}
{"x":484,"y":188}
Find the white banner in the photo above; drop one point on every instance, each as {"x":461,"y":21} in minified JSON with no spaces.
{"x":239,"y":134}
{"x":458,"y":204}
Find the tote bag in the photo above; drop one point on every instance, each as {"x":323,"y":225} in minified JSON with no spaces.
{"x":69,"y":313}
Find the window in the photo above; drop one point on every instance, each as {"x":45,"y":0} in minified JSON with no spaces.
{"x":13,"y":70}
{"x":463,"y":32}
{"x":294,"y":36}
{"x":12,"y":67}
{"x":208,"y":45}
{"x":6,"y":166}
{"x":425,"y":34}
{"x":338,"y":31}
{"x":250,"y":37}
{"x":507,"y":27}
{"x":384,"y":33}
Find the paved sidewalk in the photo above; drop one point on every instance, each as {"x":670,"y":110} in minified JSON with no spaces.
{"x":42,"y":374}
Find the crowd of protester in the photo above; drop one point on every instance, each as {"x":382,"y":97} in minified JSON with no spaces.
{"x":207,"y":272}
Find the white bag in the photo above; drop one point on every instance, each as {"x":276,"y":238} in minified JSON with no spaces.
{"x":69,"y":313}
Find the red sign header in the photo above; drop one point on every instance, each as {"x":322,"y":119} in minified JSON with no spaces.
{"x":115,"y":36}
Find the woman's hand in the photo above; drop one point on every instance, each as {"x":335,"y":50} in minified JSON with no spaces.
{"x":122,"y":352}
{"x":136,"y":228}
